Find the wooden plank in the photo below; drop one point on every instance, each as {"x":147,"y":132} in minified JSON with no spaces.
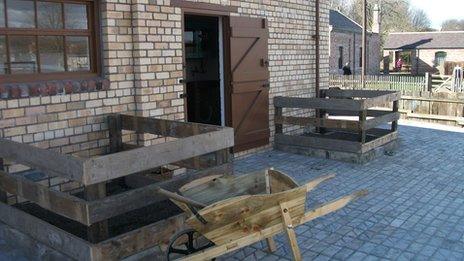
{"x":115,"y":131}
{"x":48,"y":234}
{"x":271,"y":244}
{"x":289,"y":230}
{"x":318,"y":103}
{"x":59,"y":202}
{"x":370,"y":113}
{"x":377,"y":121}
{"x":47,"y":161}
{"x":318,"y":122}
{"x":338,"y":93}
{"x":128,"y":162}
{"x":166,"y":128}
{"x":317,"y":142}
{"x":141,"y":197}
{"x":379,"y":141}
{"x":379,"y":100}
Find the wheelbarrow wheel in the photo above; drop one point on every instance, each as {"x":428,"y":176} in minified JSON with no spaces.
{"x":185,"y":243}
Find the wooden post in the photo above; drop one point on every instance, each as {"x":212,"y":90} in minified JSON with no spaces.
{"x":289,"y":230}
{"x":362,"y":121}
{"x":428,"y":81}
{"x":278,"y":111}
{"x":394,"y":125}
{"x":98,"y":231}
{"x":3,"y":195}
{"x":115,"y":130}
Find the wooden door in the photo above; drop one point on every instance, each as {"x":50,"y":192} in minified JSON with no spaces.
{"x":249,"y":82}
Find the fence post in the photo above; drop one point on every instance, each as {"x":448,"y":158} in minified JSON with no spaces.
{"x":428,"y":81}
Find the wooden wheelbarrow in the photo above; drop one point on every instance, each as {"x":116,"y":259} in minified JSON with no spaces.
{"x":228,"y":213}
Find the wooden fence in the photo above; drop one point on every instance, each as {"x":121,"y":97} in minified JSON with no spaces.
{"x":382,"y":82}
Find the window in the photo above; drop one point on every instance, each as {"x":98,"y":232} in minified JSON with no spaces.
{"x":340,"y":57}
{"x":47,"y":39}
{"x":440,"y":58}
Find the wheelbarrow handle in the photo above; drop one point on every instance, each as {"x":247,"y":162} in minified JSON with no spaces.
{"x":180,"y":198}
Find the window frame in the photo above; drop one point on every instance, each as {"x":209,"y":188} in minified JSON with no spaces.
{"x":93,"y":34}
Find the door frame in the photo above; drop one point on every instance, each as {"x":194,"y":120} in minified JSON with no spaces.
{"x":225,"y":70}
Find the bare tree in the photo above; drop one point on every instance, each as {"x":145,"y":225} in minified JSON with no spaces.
{"x":453,"y":25}
{"x":420,"y":20}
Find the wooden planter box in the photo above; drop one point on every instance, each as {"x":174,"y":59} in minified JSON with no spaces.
{"x":346,"y":139}
{"x":102,"y":224}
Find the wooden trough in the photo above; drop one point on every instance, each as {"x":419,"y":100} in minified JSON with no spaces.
{"x":99,"y":223}
{"x":335,"y":135}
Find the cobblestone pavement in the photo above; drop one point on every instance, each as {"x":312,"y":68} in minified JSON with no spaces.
{"x":414,"y":210}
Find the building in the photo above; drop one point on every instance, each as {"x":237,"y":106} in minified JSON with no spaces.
{"x":424,"y":52}
{"x":346,"y":44}
{"x":66,"y":64}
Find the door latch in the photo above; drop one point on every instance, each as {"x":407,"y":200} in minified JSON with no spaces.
{"x":264,"y":62}
{"x":183,"y":95}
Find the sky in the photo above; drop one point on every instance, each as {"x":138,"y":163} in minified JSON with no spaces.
{"x":441,"y":10}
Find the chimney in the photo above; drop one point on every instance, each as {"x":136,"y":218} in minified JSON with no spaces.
{"x":376,"y":21}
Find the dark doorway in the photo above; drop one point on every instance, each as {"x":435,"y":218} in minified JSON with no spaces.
{"x":203,"y":64}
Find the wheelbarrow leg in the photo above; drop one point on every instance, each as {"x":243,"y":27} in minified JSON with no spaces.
{"x":289,"y":230}
{"x":271,"y":245}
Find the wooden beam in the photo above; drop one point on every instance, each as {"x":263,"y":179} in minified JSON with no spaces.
{"x":377,"y":121}
{"x":394,"y":126}
{"x":166,"y":128}
{"x":47,"y":161}
{"x":128,"y":162}
{"x":318,"y":103}
{"x":204,"y":6}
{"x":98,"y":231}
{"x":278,"y":113}
{"x":362,"y":122}
{"x":339,"y":93}
{"x":379,"y":100}
{"x":370,"y":113}
{"x":46,"y":233}
{"x":289,"y":230}
{"x":59,"y":202}
{"x":318,"y":122}
{"x":3,"y":194}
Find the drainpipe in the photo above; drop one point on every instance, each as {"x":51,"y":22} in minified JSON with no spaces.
{"x":364,"y":45}
{"x":317,"y":40}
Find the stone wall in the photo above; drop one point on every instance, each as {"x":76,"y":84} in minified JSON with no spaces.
{"x":351,"y":43}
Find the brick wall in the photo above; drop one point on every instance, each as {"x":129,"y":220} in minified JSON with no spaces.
{"x":351,"y":43}
{"x":142,"y":57}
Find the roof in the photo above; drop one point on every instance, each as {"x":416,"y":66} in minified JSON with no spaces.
{"x":425,"y":40}
{"x":342,"y":22}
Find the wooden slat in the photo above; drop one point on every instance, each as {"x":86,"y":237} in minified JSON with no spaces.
{"x":376,"y":101}
{"x":203,"y":6}
{"x":128,"y":162}
{"x":59,"y":202}
{"x":320,"y":143}
{"x":370,"y":113}
{"x":356,"y":93}
{"x":166,"y":128}
{"x":318,"y":103}
{"x":97,"y":231}
{"x":48,"y":234}
{"x":137,"y":198}
{"x":318,"y":122}
{"x":289,"y":230}
{"x":47,"y":161}
{"x":379,"y":141}
{"x":115,"y":131}
{"x":377,"y":121}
